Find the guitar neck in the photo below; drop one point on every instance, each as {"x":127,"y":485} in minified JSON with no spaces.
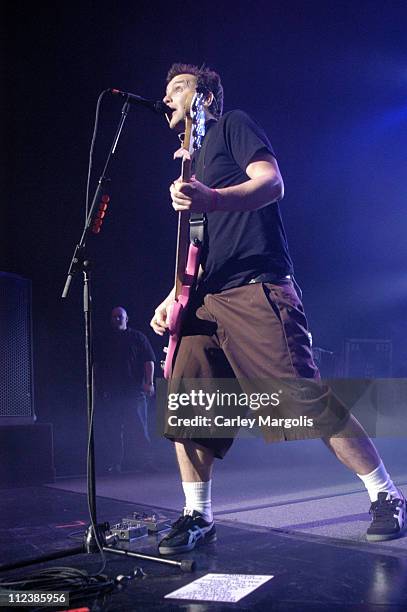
{"x":186,"y":170}
{"x":194,"y":132}
{"x":182,"y":234}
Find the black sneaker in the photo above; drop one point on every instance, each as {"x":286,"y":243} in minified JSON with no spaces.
{"x":389,"y":519}
{"x":186,"y":532}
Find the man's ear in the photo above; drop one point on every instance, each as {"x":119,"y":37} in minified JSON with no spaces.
{"x":209,"y":99}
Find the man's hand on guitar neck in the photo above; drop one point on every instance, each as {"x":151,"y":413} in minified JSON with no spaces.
{"x":193,"y":196}
{"x":159,"y":322}
{"x":264,"y":187}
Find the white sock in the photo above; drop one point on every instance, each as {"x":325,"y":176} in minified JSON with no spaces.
{"x":379,"y":480}
{"x":198,"y":497}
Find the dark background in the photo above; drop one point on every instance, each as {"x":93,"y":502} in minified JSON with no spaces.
{"x":327,"y":80}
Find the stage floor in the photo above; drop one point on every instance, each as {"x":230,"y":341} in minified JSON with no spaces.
{"x":317,"y":564}
{"x":298,"y":488}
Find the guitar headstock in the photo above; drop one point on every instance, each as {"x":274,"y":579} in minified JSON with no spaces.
{"x":194,"y":122}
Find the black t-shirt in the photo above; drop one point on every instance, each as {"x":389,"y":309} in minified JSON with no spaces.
{"x":238,"y":245}
{"x":120,"y":359}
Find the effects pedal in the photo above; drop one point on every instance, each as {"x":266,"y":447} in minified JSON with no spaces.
{"x":129,"y":531}
{"x":153,"y":522}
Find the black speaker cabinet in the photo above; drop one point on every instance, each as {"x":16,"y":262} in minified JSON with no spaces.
{"x":26,"y":447}
{"x":16,"y":368}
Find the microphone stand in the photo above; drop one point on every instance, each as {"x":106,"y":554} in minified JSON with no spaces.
{"x":97,"y":537}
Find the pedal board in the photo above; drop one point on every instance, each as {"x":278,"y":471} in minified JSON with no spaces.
{"x":154,"y":523}
{"x":129,"y":530}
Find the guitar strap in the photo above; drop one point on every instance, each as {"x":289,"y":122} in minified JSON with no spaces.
{"x":197,"y":222}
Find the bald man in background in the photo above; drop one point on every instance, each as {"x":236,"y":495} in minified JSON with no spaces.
{"x":124,"y":373}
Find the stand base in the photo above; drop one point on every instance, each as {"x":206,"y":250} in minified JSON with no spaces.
{"x":90,"y":545}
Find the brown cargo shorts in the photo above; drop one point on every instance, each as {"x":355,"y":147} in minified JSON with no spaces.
{"x":251,"y":333}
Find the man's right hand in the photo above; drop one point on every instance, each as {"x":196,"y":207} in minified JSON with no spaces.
{"x":159,"y":322}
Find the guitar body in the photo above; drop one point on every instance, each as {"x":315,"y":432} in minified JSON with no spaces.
{"x":179,"y":308}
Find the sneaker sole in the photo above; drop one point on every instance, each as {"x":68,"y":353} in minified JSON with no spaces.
{"x":169,"y":550}
{"x":384,"y":538}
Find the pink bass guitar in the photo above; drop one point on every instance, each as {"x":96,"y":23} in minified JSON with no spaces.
{"x":187,"y":259}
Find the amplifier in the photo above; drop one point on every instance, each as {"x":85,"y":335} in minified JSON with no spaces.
{"x":368,"y":358}
{"x":16,"y":377}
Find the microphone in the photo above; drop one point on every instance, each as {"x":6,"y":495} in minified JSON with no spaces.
{"x":156,"y":106}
